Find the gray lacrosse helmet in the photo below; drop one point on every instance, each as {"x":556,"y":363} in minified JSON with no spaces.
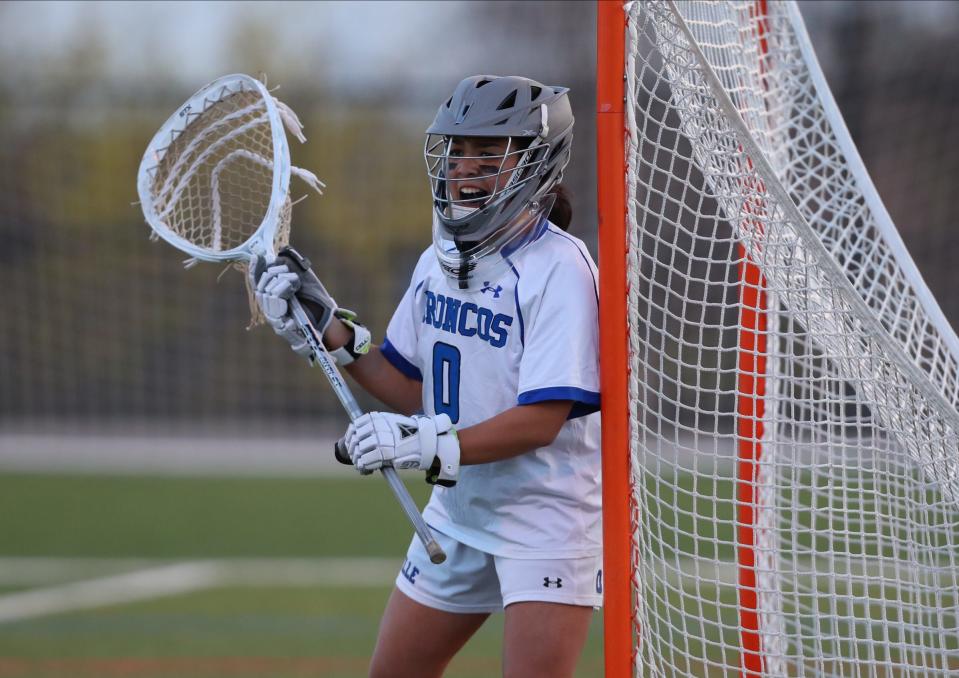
{"x":472,"y":236}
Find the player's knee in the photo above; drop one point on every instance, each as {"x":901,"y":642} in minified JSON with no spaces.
{"x":380,"y":670}
{"x":537,"y":665}
{"x":403,"y":669}
{"x":540,"y":658}
{"x":392,"y":660}
{"x":544,"y":639}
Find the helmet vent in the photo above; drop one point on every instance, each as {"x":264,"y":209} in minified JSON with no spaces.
{"x":502,"y":122}
{"x":508,"y":102}
{"x":534,"y":92}
{"x":481,"y":83}
{"x":449,"y":102}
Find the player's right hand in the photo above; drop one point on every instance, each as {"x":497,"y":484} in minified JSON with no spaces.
{"x":427,"y":443}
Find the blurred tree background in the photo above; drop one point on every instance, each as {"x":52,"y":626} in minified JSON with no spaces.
{"x":102,"y":327}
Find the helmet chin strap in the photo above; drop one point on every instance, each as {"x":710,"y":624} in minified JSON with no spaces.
{"x":458,"y":212}
{"x":465,"y":245}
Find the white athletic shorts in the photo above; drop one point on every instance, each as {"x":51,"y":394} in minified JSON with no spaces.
{"x":473,"y":581}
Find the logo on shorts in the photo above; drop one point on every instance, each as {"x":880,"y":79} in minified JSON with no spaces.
{"x":410,"y":571}
{"x":553,"y":583}
{"x":599,"y":581}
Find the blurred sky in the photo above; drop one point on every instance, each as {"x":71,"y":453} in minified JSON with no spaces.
{"x":192,"y":41}
{"x":343,"y":45}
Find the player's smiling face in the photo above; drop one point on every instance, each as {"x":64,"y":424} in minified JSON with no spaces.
{"x":478,"y":167}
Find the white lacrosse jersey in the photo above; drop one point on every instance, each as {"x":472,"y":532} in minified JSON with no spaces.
{"x":529,"y":336}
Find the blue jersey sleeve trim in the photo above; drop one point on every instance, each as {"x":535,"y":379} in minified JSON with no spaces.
{"x":399,"y":362}
{"x":519,"y":311}
{"x":584,"y":402}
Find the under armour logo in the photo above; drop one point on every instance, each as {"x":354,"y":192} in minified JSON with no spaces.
{"x":495,"y":291}
{"x":553,"y":583}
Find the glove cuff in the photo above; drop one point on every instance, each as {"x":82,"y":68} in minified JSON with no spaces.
{"x":359,"y":343}
{"x":317,"y":303}
{"x":445,"y":468}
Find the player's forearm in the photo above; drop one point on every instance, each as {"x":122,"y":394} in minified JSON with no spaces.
{"x":387,"y":384}
{"x":516,"y":431}
{"x":377,"y":375}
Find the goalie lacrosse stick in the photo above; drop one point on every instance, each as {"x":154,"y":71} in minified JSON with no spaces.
{"x":214,"y":183}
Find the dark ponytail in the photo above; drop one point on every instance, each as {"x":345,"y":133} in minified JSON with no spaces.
{"x":562,"y":212}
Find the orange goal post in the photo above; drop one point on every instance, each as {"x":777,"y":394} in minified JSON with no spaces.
{"x":780,"y":388}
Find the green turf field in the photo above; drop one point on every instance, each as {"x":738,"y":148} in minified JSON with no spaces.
{"x":270,"y":594}
{"x":288,"y":577}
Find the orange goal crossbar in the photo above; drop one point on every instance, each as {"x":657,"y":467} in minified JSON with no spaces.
{"x":621,"y":639}
{"x":619,"y":645}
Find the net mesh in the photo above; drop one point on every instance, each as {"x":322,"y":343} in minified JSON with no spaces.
{"x":795,"y":440}
{"x":214,"y":182}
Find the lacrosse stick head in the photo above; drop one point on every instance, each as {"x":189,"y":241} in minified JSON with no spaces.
{"x":214,"y":181}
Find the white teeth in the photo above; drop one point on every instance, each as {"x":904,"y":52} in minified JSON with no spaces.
{"x":471,"y":191}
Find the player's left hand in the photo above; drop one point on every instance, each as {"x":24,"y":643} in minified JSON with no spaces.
{"x":379,"y":439}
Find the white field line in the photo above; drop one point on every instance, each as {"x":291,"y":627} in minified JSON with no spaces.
{"x":168,"y":579}
{"x":121,"y":588}
{"x":132,"y":580}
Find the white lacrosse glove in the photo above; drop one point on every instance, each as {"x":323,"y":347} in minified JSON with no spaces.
{"x":422,"y":442}
{"x":290,"y":274}
{"x":272,"y":287}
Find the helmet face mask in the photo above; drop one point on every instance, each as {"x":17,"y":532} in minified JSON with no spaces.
{"x":505,"y":173}
{"x":495,"y":149}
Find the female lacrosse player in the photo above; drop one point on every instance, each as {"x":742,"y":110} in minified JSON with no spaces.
{"x":491,"y":360}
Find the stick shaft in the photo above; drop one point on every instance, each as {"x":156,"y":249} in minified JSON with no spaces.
{"x":346,"y":398}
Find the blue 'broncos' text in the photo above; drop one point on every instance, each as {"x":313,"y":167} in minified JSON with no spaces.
{"x":466,"y":319}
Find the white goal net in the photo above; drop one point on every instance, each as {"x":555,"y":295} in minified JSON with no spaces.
{"x":793,"y":383}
